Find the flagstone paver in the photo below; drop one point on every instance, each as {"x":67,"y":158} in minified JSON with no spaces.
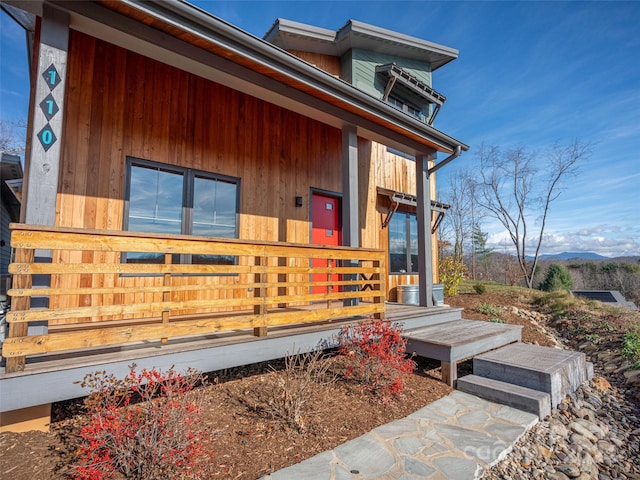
{"x":456,"y":437}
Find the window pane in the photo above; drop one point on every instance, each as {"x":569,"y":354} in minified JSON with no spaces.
{"x":155,"y":206}
{"x":155,"y":201}
{"x":214,"y":208}
{"x":398,"y":243}
{"x":214,"y":215}
{"x":413,"y":242}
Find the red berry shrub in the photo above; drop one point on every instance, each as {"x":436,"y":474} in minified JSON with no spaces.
{"x":146,"y":426}
{"x":378,"y":355}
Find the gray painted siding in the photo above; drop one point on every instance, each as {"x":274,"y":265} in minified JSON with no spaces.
{"x":346,"y":67}
{"x":364,"y":70}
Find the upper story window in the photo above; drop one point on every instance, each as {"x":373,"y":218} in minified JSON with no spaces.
{"x":173,"y":200}
{"x":405,"y":106}
{"x":400,"y":80}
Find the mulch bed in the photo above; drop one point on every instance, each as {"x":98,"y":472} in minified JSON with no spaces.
{"x":246,"y":441}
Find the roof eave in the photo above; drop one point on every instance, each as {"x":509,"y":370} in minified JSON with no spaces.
{"x":262,"y":47}
{"x":249,"y":51}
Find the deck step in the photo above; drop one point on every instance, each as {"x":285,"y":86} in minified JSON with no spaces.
{"x":546,"y":369}
{"x":522,"y":398}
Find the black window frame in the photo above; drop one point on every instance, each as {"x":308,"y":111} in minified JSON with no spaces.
{"x":188,"y":181}
{"x":408,"y":215}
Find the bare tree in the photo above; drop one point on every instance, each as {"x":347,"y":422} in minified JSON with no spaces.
{"x":458,"y":222}
{"x":10,"y":140}
{"x":517,"y":187}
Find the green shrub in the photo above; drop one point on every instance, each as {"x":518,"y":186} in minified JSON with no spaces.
{"x":489,"y":310}
{"x":631,"y":347}
{"x":479,"y":288}
{"x":557,"y":278}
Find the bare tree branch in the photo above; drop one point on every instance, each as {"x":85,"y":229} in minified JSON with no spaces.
{"x":508,"y":186}
{"x":10,"y":140}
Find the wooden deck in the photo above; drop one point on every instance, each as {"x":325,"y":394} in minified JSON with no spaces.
{"x":459,"y":340}
{"x":50,"y":378}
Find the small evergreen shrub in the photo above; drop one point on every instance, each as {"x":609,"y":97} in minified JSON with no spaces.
{"x":631,"y":347}
{"x":479,"y":288}
{"x":556,"y":278}
{"x":489,"y":310}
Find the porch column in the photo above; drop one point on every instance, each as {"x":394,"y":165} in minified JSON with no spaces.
{"x":423,"y":214}
{"x":350,"y":216}
{"x":43,"y":163}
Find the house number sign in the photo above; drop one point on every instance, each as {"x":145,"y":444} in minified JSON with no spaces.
{"x":49,"y":107}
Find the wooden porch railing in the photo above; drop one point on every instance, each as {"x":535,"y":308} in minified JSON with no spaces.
{"x":88,"y":295}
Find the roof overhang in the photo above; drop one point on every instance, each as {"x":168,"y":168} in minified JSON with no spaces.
{"x":292,"y":35}
{"x":182,"y":35}
{"x":410,"y":202}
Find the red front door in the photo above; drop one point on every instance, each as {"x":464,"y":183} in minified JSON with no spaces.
{"x":325,"y":230}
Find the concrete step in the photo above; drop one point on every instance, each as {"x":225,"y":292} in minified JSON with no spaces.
{"x":522,"y":398}
{"x":551,"y":370}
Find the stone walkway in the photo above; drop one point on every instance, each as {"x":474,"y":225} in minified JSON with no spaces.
{"x":456,"y":437}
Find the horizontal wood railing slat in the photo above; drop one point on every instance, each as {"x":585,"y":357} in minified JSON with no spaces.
{"x":42,"y":292}
{"x":36,"y":314}
{"x":95,"y":303}
{"x":67,"y":341}
{"x":23,"y":236}
{"x":141,"y":269}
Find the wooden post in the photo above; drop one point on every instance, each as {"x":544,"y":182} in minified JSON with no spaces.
{"x":43,"y":164}
{"x":423,"y":215}
{"x":166,"y":295}
{"x":381,"y":290}
{"x":260,"y":292}
{"x":449,"y":372}
{"x":329,"y":280}
{"x":282,"y":278}
{"x":350,"y":204}
{"x":19,"y":304}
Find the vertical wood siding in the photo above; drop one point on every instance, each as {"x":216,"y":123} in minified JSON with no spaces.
{"x":328,"y":63}
{"x":122,"y":104}
{"x":379,"y":168}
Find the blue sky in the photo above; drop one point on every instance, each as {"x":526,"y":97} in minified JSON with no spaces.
{"x":529,"y":74}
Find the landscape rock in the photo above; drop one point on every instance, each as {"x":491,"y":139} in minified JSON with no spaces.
{"x":580,"y":430}
{"x":592,"y":434}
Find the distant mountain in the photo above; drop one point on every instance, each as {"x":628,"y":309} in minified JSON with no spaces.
{"x":573,"y":256}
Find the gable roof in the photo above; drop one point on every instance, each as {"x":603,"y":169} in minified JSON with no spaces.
{"x":183,"y":35}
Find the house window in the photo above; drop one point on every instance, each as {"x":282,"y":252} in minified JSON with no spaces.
{"x":405,"y":106}
{"x":173,"y":200}
{"x":403,"y":243}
